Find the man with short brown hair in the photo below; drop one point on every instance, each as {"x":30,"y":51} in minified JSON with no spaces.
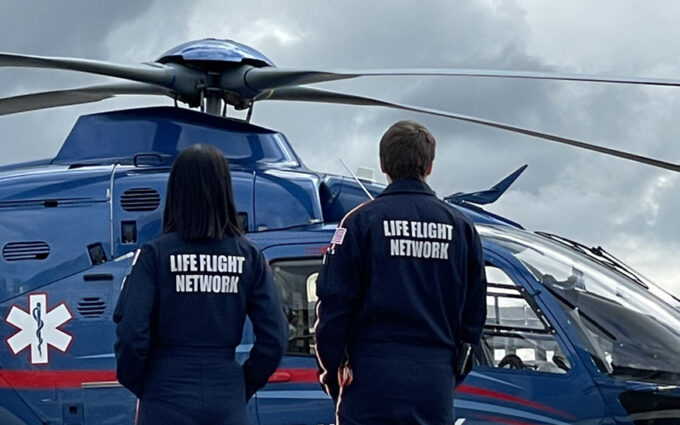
{"x":407,"y":151}
{"x":402,"y":289}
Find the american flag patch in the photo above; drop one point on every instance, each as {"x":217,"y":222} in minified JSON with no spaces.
{"x":338,"y":236}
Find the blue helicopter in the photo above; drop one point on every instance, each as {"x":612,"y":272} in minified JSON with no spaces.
{"x":572,"y":335}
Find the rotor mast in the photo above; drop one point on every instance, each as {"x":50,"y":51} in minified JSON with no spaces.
{"x":213,"y":103}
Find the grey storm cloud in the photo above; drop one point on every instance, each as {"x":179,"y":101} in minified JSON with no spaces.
{"x":626,"y":207}
{"x":70,"y":27}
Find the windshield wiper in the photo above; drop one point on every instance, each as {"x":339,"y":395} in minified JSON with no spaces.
{"x":599,"y":255}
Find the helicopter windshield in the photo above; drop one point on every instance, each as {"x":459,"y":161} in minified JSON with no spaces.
{"x":629,"y":331}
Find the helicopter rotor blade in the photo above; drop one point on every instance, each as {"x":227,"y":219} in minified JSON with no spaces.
{"x":253,"y":80}
{"x":51,"y":99}
{"x":180,"y":79}
{"x":269,"y":78}
{"x":308,"y":94}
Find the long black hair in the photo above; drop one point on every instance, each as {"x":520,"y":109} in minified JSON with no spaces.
{"x":200,"y":199}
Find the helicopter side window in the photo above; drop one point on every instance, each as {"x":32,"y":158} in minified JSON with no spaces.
{"x":296,"y":281}
{"x":516,"y":334}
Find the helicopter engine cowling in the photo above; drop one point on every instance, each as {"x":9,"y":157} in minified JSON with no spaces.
{"x":102,"y":196}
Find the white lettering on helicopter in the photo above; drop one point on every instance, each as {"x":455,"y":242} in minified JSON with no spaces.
{"x":430,"y":248}
{"x":39,"y":328}
{"x":206,"y":283}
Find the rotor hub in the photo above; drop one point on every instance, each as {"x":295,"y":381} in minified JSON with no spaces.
{"x":225,"y":52}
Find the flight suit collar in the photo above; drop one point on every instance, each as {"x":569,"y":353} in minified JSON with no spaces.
{"x":408,"y":186}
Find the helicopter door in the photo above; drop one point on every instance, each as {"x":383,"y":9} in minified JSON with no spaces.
{"x":293,"y":394}
{"x":525,"y":370}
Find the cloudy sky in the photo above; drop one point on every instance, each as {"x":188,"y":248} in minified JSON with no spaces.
{"x":631,"y":209}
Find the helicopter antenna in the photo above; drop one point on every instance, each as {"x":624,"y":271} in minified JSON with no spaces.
{"x":356,"y":179}
{"x":250,"y":112}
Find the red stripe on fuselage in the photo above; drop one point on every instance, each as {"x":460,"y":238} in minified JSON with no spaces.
{"x":499,"y":420}
{"x":482,"y":392}
{"x":295,"y":376}
{"x":42,"y":379}
{"x":39,"y":379}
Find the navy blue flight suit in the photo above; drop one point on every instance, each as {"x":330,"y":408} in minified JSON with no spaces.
{"x":180,"y":317}
{"x":403,"y":286}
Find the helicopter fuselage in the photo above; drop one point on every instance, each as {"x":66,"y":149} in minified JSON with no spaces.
{"x":69,"y":227}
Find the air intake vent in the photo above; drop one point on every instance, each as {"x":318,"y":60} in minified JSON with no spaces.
{"x":17,"y":251}
{"x":140,"y":199}
{"x":91,"y":307}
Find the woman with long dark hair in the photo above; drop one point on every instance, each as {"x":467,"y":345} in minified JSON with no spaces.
{"x":182,"y":309}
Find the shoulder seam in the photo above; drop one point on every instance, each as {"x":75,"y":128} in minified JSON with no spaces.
{"x":352,"y":211}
